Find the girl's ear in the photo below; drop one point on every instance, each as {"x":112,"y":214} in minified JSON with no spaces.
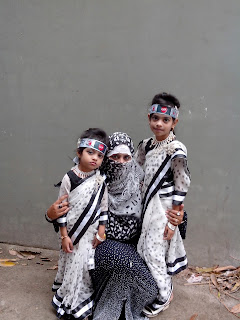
{"x":149,"y":117}
{"x":79,"y":155}
{"x":174,"y":123}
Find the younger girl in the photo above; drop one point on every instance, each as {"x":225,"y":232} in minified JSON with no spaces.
{"x":82,"y":228}
{"x":166,"y":182}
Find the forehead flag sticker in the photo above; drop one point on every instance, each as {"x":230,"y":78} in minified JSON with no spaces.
{"x":164,"y":109}
{"x":101,"y":147}
{"x":92,"y":143}
{"x":168,"y":110}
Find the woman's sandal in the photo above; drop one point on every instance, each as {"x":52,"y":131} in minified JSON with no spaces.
{"x":151,"y":313}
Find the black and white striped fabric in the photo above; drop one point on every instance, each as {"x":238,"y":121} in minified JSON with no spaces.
{"x":162,"y":182}
{"x":92,"y":211}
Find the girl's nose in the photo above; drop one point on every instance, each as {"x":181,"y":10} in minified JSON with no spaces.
{"x":159,"y":123}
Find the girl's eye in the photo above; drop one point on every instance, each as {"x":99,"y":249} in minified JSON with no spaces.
{"x":90,"y":152}
{"x":166,"y":119}
{"x":155,"y":118}
{"x":100,"y":156}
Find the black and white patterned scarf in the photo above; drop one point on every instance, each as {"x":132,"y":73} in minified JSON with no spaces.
{"x":124,"y":197}
{"x":123,"y":180}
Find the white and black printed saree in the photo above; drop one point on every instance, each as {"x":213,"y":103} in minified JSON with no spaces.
{"x":88,"y":206}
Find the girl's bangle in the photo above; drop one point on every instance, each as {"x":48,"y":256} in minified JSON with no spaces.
{"x":99,"y":238}
{"x":171,"y":226}
{"x":63,"y":237}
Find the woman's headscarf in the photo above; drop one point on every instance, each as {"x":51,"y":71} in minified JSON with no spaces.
{"x":123,"y":179}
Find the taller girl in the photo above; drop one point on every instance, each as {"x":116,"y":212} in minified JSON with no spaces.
{"x":166,"y":182}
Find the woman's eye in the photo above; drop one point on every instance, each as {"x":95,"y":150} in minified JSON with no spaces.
{"x":127,"y":158}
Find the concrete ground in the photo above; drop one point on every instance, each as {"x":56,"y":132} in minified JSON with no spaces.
{"x":26,"y":292}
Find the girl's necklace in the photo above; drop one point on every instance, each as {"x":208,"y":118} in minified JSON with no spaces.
{"x":160,"y":144}
{"x":82,"y":174}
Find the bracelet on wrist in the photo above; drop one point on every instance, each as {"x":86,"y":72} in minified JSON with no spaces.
{"x":63,"y":237}
{"x":99,"y":238}
{"x":171,"y":226}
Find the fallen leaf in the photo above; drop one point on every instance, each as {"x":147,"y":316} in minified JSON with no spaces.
{"x":232,"y":273}
{"x":214,"y":280}
{"x":53,"y":268}
{"x":19,"y":254}
{"x":236,"y":287}
{"x":23,"y":254}
{"x":16,"y":253}
{"x":204,"y":270}
{"x":236,"y":309}
{"x":194,"y":316}
{"x":7,"y":263}
{"x":220,"y":269}
{"x":12,"y":252}
{"x":227,"y":285}
{"x":46,"y":259}
{"x":2,"y":260}
{"x":29,"y":254}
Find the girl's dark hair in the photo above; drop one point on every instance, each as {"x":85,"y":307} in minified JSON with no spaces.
{"x":164,"y":98}
{"x":94,"y":133}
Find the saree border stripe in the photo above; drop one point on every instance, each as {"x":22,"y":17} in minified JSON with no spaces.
{"x":157,"y":181}
{"x":87,"y":216}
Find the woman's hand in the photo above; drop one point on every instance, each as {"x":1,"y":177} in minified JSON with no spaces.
{"x":67,"y":245}
{"x":168,"y":233}
{"x":95,"y":242}
{"x":174,"y":217}
{"x":58,"y":208}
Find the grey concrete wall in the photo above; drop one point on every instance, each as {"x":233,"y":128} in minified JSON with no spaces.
{"x":69,"y":65}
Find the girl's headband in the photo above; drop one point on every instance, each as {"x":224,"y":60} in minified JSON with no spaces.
{"x":167,"y":110}
{"x":92,"y":143}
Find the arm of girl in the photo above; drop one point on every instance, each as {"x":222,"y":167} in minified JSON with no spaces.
{"x":100,"y":236}
{"x":170,"y":228}
{"x":67,"y":245}
{"x":174,"y":217}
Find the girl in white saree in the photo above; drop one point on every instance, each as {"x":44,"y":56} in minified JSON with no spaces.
{"x":82,"y":228}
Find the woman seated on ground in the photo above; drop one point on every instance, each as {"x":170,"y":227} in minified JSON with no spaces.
{"x":122,"y":282}
{"x":121,"y":279}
